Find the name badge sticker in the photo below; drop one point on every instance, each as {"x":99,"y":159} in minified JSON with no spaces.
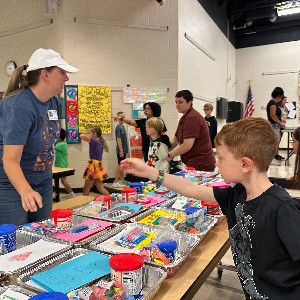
{"x":52,"y":115}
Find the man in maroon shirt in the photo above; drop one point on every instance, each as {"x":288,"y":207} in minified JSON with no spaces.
{"x":192,"y":136}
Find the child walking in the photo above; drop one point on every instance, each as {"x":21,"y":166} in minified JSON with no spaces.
{"x":95,"y":172}
{"x":211,"y":121}
{"x":121,"y":149}
{"x":263,"y":220}
{"x":61,"y":160}
{"x":159,"y":145}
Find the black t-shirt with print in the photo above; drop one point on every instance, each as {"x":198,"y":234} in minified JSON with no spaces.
{"x":265,"y":241}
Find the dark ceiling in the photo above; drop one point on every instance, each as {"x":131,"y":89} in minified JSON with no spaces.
{"x":249,"y":23}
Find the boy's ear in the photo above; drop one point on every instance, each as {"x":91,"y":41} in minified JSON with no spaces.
{"x":247,"y":164}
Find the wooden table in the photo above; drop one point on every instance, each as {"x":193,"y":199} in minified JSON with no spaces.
{"x":73,"y":202}
{"x":193,"y":273}
{"x":58,"y":173}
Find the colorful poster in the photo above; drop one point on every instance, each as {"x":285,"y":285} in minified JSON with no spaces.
{"x":94,"y":107}
{"x":71,"y":103}
{"x":142,"y":95}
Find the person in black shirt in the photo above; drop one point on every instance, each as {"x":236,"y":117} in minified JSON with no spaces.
{"x":211,"y":121}
{"x":263,"y":220}
{"x":274,"y":114}
{"x":151,"y":109}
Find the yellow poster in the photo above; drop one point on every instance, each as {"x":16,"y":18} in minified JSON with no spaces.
{"x":94,"y":107}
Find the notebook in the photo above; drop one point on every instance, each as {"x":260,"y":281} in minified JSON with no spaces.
{"x":74,"y":273}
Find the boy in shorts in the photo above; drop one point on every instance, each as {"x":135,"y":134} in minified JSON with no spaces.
{"x":263,"y":220}
{"x":121,"y":149}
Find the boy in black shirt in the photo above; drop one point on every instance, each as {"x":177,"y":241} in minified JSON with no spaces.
{"x":211,"y":121}
{"x":263,"y":220}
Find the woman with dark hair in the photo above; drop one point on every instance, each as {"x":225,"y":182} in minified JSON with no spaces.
{"x":151,"y":109}
{"x":29,"y":127}
{"x":274,"y":114}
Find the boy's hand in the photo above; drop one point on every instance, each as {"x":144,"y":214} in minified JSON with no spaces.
{"x":139,"y":167}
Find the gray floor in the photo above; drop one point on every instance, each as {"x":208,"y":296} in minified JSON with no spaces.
{"x":228,"y":287}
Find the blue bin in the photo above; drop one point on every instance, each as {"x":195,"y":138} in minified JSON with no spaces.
{"x":138,"y":186}
{"x":8,"y":237}
{"x":50,"y":296}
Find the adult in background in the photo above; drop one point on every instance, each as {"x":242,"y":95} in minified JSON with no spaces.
{"x":192,"y":136}
{"x":29,"y":127}
{"x":151,"y":109}
{"x":274,"y":114}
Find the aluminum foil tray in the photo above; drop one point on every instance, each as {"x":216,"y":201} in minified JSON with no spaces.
{"x":18,"y":289}
{"x":78,"y":211}
{"x":76,"y":220}
{"x":186,"y":244}
{"x":168,"y":204}
{"x":152,"y":276}
{"x":90,"y":209}
{"x":25,"y":238}
{"x":209,"y":223}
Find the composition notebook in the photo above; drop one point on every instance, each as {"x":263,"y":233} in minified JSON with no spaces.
{"x":74,"y":273}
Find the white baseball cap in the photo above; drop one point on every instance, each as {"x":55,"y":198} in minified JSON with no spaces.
{"x":44,"y":58}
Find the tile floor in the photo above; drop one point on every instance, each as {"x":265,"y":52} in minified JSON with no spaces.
{"x":228,"y":287}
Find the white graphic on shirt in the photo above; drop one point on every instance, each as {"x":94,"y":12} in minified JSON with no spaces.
{"x":241,"y":246}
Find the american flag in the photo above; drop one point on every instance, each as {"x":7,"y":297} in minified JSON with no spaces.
{"x":249,"y":104}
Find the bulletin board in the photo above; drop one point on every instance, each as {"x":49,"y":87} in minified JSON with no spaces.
{"x":71,"y":109}
{"x":94,"y":108}
{"x":144,"y":94}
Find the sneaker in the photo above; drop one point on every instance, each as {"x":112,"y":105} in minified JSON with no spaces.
{"x":118,"y":185}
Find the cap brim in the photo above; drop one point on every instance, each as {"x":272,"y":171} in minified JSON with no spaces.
{"x":68,"y":68}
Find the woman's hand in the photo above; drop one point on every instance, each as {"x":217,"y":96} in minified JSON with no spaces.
{"x":139,"y":167}
{"x":31,"y":200}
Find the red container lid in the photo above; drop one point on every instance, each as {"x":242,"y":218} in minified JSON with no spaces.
{"x":128,"y":190}
{"x":61,"y":213}
{"x":126,"y":262}
{"x":190,"y":169}
{"x":211,"y":204}
{"x":104,"y":198}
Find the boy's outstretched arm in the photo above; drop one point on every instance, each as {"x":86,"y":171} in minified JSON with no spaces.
{"x":178,"y":184}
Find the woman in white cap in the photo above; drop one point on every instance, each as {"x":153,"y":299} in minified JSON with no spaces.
{"x":29,"y":127}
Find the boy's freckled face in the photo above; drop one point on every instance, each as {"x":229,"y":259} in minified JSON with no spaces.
{"x":150,"y":131}
{"x":228,"y":165}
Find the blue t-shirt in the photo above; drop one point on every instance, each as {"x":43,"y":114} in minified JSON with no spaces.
{"x":24,"y":120}
{"x":120,"y":133}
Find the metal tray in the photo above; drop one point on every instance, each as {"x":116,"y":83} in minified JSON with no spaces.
{"x":187,"y":243}
{"x":75,"y":221}
{"x":18,"y":289}
{"x":152,"y":276}
{"x":78,"y":211}
{"x":25,"y":238}
{"x":168,"y":204}
{"x":210,"y":221}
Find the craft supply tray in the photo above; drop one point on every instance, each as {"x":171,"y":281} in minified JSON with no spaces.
{"x":18,"y":289}
{"x":88,"y":209}
{"x":168,"y":204}
{"x":152,"y":276}
{"x":78,"y":211}
{"x":76,"y":220}
{"x":187,"y":243}
{"x":210,"y":221}
{"x":25,"y":238}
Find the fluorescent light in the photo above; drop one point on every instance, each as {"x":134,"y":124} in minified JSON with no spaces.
{"x":288,"y":11}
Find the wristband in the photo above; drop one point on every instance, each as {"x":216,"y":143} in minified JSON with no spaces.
{"x":161,"y":176}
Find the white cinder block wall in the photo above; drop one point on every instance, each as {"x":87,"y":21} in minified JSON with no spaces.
{"x":253,"y":62}
{"x":207,"y":78}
